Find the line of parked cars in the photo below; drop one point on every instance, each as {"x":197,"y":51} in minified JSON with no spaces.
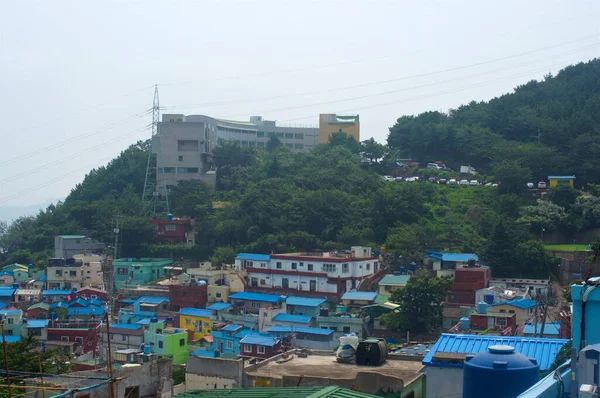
{"x":540,"y":185}
{"x":451,"y":181}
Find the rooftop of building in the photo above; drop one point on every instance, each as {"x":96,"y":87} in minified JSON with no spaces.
{"x":521,"y":281}
{"x":43,"y":306}
{"x":522,"y":303}
{"x":456,"y":257}
{"x":37,"y":323}
{"x":253,"y":257}
{"x":319,"y":256}
{"x":296,"y":329}
{"x":292,"y":318}
{"x":197,"y":312}
{"x":278,"y":392}
{"x":249,"y":296}
{"x":231,"y":328}
{"x":399,"y":280}
{"x":326,"y":367}
{"x":149,"y":300}
{"x":561,"y":177}
{"x":85,"y":311}
{"x":56,"y":292}
{"x":142,"y":261}
{"x":362,"y":296}
{"x":218,"y":306}
{"x":72,"y":236}
{"x":258,"y":339}
{"x":304,"y":301}
{"x":6,"y":291}
{"x":550,"y":329}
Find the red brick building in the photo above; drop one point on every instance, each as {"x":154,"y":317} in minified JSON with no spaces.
{"x":258,"y":346}
{"x":86,"y":339}
{"x":494,"y":323}
{"x":173,"y":230}
{"x":90,"y":292}
{"x":467,"y":280}
{"x":188,"y":296}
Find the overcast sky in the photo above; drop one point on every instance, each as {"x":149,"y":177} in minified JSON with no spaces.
{"x":76,"y":77}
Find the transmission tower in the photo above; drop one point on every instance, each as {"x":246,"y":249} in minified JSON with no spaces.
{"x":155,"y":188}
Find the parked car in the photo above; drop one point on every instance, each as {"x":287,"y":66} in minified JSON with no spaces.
{"x":530,"y":185}
{"x":489,"y":184}
{"x":387,"y":178}
{"x":431,"y":179}
{"x":463,"y":182}
{"x":434,"y":166}
{"x":398,"y":179}
{"x":541,"y":185}
{"x":442,"y":181}
{"x":473,"y":182}
{"x":452,"y":181}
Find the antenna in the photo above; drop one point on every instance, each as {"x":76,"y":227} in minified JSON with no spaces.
{"x":155,"y":186}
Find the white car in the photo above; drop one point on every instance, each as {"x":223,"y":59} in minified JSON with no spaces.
{"x":388,"y":178}
{"x":530,"y":185}
{"x":452,"y":181}
{"x":473,"y":182}
{"x":463,"y":182}
{"x":398,"y":179}
{"x":541,"y":185}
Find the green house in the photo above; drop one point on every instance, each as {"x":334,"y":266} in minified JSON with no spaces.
{"x":20,"y":272}
{"x":171,"y":343}
{"x":138,"y":271}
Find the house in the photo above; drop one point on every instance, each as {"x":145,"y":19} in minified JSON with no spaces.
{"x":19,"y":273}
{"x":174,"y":230}
{"x":354,"y":298}
{"x":91,"y":293}
{"x":188,"y":296}
{"x":7,"y":294}
{"x":198,"y":321}
{"x":7,"y":278}
{"x":304,"y":305}
{"x":227,"y":340}
{"x":37,"y":328}
{"x":313,"y":274}
{"x":28,"y":295}
{"x":444,"y":264}
{"x":66,"y":246}
{"x":306,"y":337}
{"x":64,"y":274}
{"x":292,"y":320}
{"x":91,"y":269}
{"x":252,"y":302}
{"x":216,"y":308}
{"x":556,"y":180}
{"x":490,"y":323}
{"x":551,"y":330}
{"x":144,"y":307}
{"x":167,"y":342}
{"x":122,"y":337}
{"x":522,"y":308}
{"x":390,"y":282}
{"x":497,"y":294}
{"x":85,"y":313}
{"x":138,"y":271}
{"x":259,"y":346}
{"x":445,"y":360}
{"x":38,"y":311}
{"x":376,"y":310}
{"x":12,"y":320}
{"x":467,"y":281}
{"x":55,"y":295}
{"x":38,"y":283}
{"x":532,"y":286}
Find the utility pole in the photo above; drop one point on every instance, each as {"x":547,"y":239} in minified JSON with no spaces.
{"x":111,"y":393}
{"x":535,"y":317}
{"x":5,"y":357}
{"x":116,"y":231}
{"x":41,"y":374}
{"x":544,"y":318}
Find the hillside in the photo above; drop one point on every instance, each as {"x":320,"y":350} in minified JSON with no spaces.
{"x":562,"y":110}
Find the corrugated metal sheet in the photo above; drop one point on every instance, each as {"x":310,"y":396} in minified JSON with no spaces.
{"x":542,"y":349}
{"x":268,"y":298}
{"x":522,"y":303}
{"x":394,"y":280}
{"x":253,"y":257}
{"x":292,"y":329}
{"x":278,"y":392}
{"x":267,"y":341}
{"x":231,"y":328}
{"x":363,"y":296}
{"x":550,"y":328}
{"x":200,"y":313}
{"x":303,"y":319}
{"x":457,"y":257}
{"x":304,"y":301}
{"x":218,"y":306}
{"x":37,"y":323}
{"x":152,"y":300}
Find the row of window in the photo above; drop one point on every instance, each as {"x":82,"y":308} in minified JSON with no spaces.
{"x":248,"y":348}
{"x":178,"y":170}
{"x":309,"y":267}
{"x":262,"y":134}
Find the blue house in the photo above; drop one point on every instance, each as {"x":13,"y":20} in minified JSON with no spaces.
{"x":445,"y":263}
{"x":551,"y":329}
{"x":85,"y":312}
{"x":55,"y":295}
{"x":144,"y":307}
{"x":304,"y":305}
{"x":227,"y":340}
{"x":292,"y":320}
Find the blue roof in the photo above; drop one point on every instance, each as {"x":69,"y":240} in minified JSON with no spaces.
{"x":96,"y":302}
{"x":125,"y":326}
{"x":152,"y":300}
{"x":37,"y":323}
{"x":2,"y":305}
{"x":59,"y":304}
{"x":10,"y":339}
{"x":542,"y":349}
{"x":203,"y":353}
{"x":291,"y":329}
{"x":456,"y":257}
{"x":253,"y":257}
{"x":259,"y":340}
{"x":354,"y":295}
{"x":550,"y":328}
{"x":561,"y":177}
{"x":305,"y":319}
{"x":522,"y":303}
{"x":79,"y":300}
{"x":304,"y":301}
{"x":11,"y":312}
{"x":268,"y":298}
{"x":231,"y":328}
{"x":201,"y":313}
{"x":42,"y":279}
{"x":218,"y":306}
{"x":6,"y":273}
{"x":56,"y":292}
{"x":127,"y":301}
{"x":85,"y":311}
{"x":145,"y":321}
{"x":6,"y":291}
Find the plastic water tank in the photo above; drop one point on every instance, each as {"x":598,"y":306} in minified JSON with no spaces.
{"x":402,"y":270}
{"x":499,"y":372}
{"x":169,"y":216}
{"x":15,"y":285}
{"x":147,"y":349}
{"x":412,"y":266}
{"x":489,"y":298}
{"x":464,"y":323}
{"x":482,"y":307}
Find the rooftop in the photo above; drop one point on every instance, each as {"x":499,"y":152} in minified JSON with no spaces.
{"x":550,"y":328}
{"x":218,"y":306}
{"x":278,"y":392}
{"x":522,"y":303}
{"x":389,"y":279}
{"x":456,"y":257}
{"x":37,"y":323}
{"x":304,"y":319}
{"x":72,"y":236}
{"x":44,"y":306}
{"x":268,"y":298}
{"x":542,"y":349}
{"x":304,"y":301}
{"x":326,"y":367}
{"x":56,"y":292}
{"x":561,"y":177}
{"x":85,"y":311}
{"x":152,"y":300}
{"x":259,"y":340}
{"x":124,"y":326}
{"x":200,"y":313}
{"x":253,"y":257}
{"x":231,"y":328}
{"x":143,"y":261}
{"x":6,"y":291}
{"x":293,"y":329}
{"x":363,"y":296}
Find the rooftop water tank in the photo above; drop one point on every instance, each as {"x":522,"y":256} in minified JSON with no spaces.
{"x":412,"y":267}
{"x":482,"y":307}
{"x":464,"y":324}
{"x":201,"y":283}
{"x":15,"y":285}
{"x":402,"y":270}
{"x":489,"y":298}
{"x":499,"y":372}
{"x":154,"y":320}
{"x":371,"y":352}
{"x":147,"y":349}
{"x":169,"y":216}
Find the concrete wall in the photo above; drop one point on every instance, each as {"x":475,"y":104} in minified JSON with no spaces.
{"x":220,"y":371}
{"x":204,"y":382}
{"x":444,"y":382}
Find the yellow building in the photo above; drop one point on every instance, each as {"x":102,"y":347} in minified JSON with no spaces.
{"x":196,"y":320}
{"x":330,"y":123}
{"x":555,"y":180}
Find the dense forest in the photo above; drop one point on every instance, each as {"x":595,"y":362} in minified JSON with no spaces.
{"x":333,"y":197}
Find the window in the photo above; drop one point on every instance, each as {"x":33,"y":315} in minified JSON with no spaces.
{"x":368,"y":266}
{"x":11,"y":321}
{"x":346,"y":329}
{"x":279,"y":135}
{"x":170,"y":227}
{"x":58,"y":272}
{"x":301,"y":264}
{"x":345,"y":268}
{"x":187,"y":170}
{"x":79,"y":340}
{"x":64,"y":338}
{"x":278,"y":264}
{"x":263,"y":282}
{"x":502,"y":311}
{"x":299,"y":136}
{"x":511,"y":311}
{"x":289,"y":145}
{"x":254,"y":304}
{"x":181,"y":342}
{"x":206,"y":324}
{"x":161,"y":344}
{"x":263,"y":265}
{"x":334,"y":328}
{"x":294,"y":265}
{"x":72,"y":273}
{"x":253,"y":281}
{"x":187,"y":146}
{"x":180,"y":158}
{"x":260,"y":134}
{"x":329,"y":267}
{"x":218,"y":295}
{"x":121,"y":271}
{"x":260,"y":349}
{"x":229,"y":345}
{"x":310,"y":267}
{"x":289,"y":136}
{"x":501,"y":321}
{"x":123,"y":337}
{"x":247,"y":348}
{"x":188,"y":321}
{"x":169,"y":170}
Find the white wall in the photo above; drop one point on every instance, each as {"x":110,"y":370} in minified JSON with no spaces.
{"x":295,"y":281}
{"x":444,"y":382}
{"x":201,"y":382}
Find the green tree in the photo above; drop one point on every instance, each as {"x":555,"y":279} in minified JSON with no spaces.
{"x":563,"y":195}
{"x":223,"y":255}
{"x":191,"y":198}
{"x":512,"y":176}
{"x":543,"y":216}
{"x":273,"y":144}
{"x":421,"y":302}
{"x":372,"y":150}
{"x":342,"y":139}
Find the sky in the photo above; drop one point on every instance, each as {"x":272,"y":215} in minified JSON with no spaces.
{"x":77,"y":77}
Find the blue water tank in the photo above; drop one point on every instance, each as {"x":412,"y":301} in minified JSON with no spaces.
{"x":169,"y":216}
{"x":402,"y":270}
{"x":489,"y":298}
{"x":412,"y":266}
{"x":15,"y":285}
{"x":147,"y":349}
{"x":154,"y":320}
{"x":201,"y":283}
{"x":499,"y":372}
{"x":464,"y":324}
{"x":482,"y":307}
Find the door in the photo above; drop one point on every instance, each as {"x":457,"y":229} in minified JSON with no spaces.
{"x":313,"y":286}
{"x":285,"y":283}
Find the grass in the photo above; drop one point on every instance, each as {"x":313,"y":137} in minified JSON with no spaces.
{"x":567,"y":247}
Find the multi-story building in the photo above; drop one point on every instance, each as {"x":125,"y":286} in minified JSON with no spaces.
{"x":92,"y":269}
{"x":122,"y":337}
{"x":166,"y":342}
{"x":84,"y":339}
{"x":172,"y":230}
{"x":444,"y":264}
{"x":66,"y":246}
{"x":138,"y":271}
{"x":12,"y":320}
{"x":198,"y":321}
{"x":191,"y":296}
{"x":64,"y":274}
{"x":314,"y":274}
{"x":331,"y":123}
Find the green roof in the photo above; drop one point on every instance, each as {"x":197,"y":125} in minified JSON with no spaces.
{"x":394,"y":280}
{"x":72,"y":236}
{"x":380,"y":299}
{"x":44,"y":306}
{"x":278,"y":392}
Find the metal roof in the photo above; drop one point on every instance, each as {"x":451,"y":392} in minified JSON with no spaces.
{"x":394,"y":280}
{"x":304,"y":301}
{"x":456,"y":257}
{"x":550,"y":328}
{"x":55,"y":292}
{"x":145,"y":321}
{"x":44,"y":306}
{"x":200,"y":313}
{"x":231,"y":328}
{"x":522,"y":303}
{"x":37,"y":323}
{"x":10,"y":312}
{"x":561,"y":177}
{"x":72,"y":236}
{"x":152,"y":300}
{"x":305,"y":319}
{"x":268,"y":298}
{"x":364,"y":296}
{"x":10,"y":339}
{"x":59,"y":304}
{"x":218,"y":306}
{"x":277,"y":392}
{"x":85,"y":311}
{"x":292,"y":329}
{"x":542,"y":349}
{"x":6,"y":291}
{"x":259,"y":340}
{"x":125,"y":326}
{"x":253,"y":257}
